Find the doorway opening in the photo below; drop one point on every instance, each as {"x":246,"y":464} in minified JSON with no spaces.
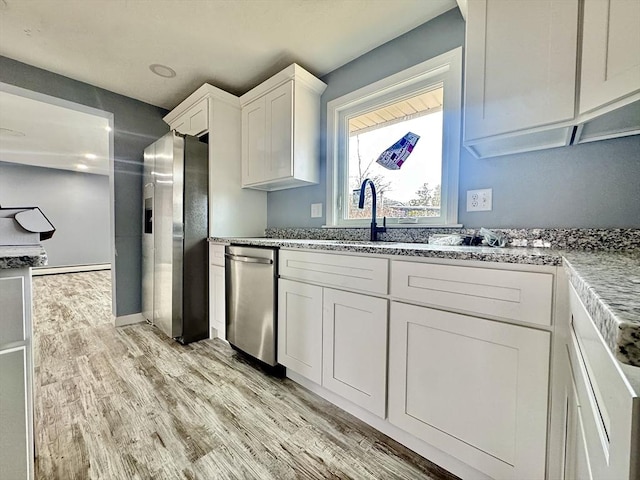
{"x":58,"y":155}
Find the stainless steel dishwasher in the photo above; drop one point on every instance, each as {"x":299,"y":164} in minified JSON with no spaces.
{"x":251,"y":294}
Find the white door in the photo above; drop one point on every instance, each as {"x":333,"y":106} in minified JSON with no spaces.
{"x":355,"y":348}
{"x":474,"y":388}
{"x":300,"y":328}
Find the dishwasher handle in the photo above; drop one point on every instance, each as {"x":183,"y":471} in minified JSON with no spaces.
{"x":246,"y":259}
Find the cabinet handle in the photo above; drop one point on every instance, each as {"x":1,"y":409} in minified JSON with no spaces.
{"x":245,"y":259}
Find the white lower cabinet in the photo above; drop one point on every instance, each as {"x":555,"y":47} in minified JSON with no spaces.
{"x":300,"y":328}
{"x":217,"y":311}
{"x":577,"y":465}
{"x":217,"y":316}
{"x":15,"y":438}
{"x":451,"y":360}
{"x":16,"y":375}
{"x":355,"y":348}
{"x":474,"y":388}
{"x":602,"y":409}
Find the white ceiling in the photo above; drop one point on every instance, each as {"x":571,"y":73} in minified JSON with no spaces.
{"x":232,"y":44}
{"x":38,"y":133}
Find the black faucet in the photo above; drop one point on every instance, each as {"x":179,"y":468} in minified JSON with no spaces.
{"x":375,"y":229}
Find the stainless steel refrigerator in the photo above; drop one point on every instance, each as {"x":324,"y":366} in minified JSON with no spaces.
{"x":174,"y":239}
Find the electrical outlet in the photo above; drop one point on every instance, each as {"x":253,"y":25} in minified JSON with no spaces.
{"x":316,"y":210}
{"x":479,"y":200}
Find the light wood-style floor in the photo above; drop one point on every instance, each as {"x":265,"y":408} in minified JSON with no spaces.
{"x":128,"y":403}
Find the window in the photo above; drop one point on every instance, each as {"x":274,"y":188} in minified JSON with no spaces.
{"x":424,"y":100}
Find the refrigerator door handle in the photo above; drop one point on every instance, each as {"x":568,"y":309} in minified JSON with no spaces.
{"x":245,"y":259}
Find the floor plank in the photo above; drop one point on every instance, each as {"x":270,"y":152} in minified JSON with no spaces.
{"x":129,"y":403}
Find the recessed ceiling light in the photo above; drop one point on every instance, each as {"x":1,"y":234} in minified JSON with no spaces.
{"x":90,"y":156}
{"x":81,"y":166}
{"x":7,"y":132}
{"x":162,"y":70}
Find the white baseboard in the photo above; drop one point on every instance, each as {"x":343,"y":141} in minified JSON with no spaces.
{"x":70,"y":269}
{"x":422,"y":448}
{"x":215,"y":333}
{"x":129,"y":319}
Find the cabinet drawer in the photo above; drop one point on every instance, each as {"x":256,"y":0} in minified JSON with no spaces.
{"x":216,"y":254}
{"x":358,"y":273}
{"x":609,"y":408}
{"x":523,"y":296}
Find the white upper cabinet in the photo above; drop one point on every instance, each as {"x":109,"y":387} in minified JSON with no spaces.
{"x":521,"y":67}
{"x":521,"y":62}
{"x":233,"y":210}
{"x":281,"y":131}
{"x":194,"y":121}
{"x":610,"y":75}
{"x":610,"y":52}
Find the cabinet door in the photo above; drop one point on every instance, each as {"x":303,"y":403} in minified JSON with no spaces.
{"x":13,"y":317}
{"x":14,"y":443}
{"x":254,"y":154}
{"x":279,"y":127}
{"x":474,"y":388}
{"x":610,"y":52}
{"x":300,"y":328}
{"x":195,"y":120}
{"x":217,"y":318}
{"x":355,"y":348}
{"x":520,"y":65}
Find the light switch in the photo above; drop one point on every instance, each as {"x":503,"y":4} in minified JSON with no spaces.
{"x":316,"y":210}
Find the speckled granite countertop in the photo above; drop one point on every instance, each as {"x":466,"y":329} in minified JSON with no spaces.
{"x":528,"y":256}
{"x":608,"y":283}
{"x":22,"y":256}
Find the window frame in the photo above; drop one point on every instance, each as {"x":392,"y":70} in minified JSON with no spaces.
{"x":445,"y":69}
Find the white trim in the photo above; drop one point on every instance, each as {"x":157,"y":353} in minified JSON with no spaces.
{"x":58,"y":102}
{"x":69,"y":269}
{"x":445,"y":68}
{"x":463,"y":5}
{"x":128,"y":320}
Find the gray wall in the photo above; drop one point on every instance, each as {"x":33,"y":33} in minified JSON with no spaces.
{"x":595,"y":185}
{"x":136,"y":125}
{"x":591,"y":185}
{"x":77,"y":204}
